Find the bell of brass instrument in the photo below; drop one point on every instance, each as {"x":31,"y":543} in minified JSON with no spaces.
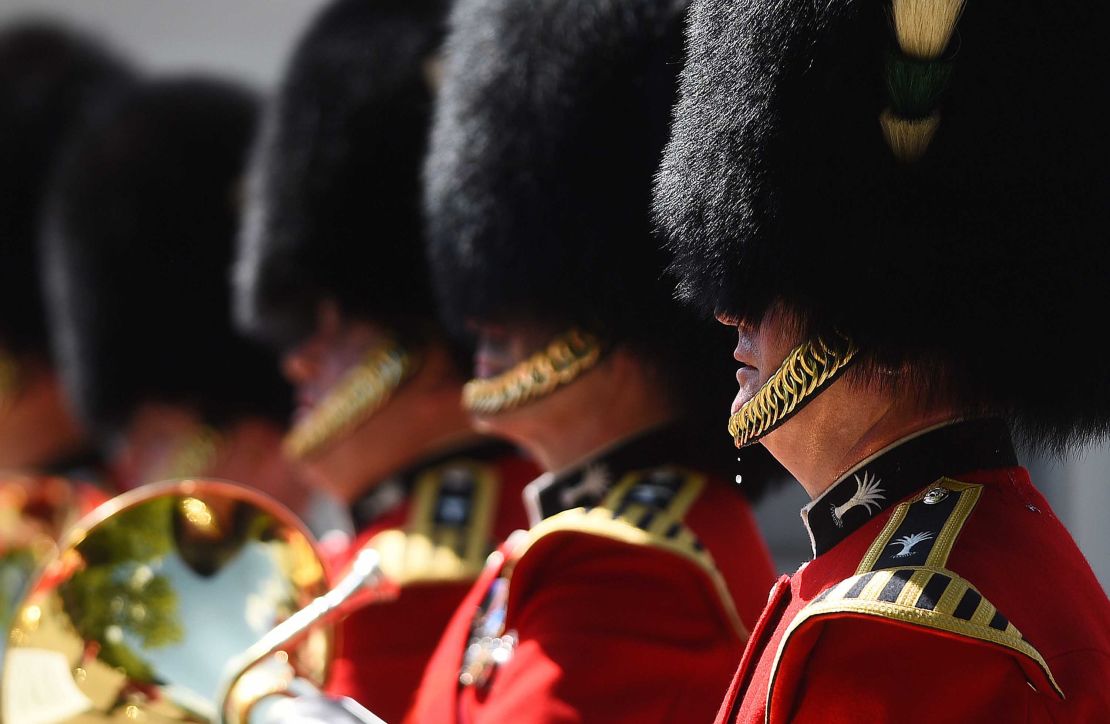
{"x":178,"y":601}
{"x":35,"y":510}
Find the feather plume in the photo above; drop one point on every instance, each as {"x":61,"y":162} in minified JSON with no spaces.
{"x":925,"y":27}
{"x":908,"y":138}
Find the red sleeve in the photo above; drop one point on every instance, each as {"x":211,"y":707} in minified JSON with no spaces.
{"x":869,"y":669}
{"x":609,"y":632}
{"x":384,"y":647}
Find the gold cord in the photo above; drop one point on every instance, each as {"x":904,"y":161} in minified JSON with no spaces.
{"x":806,"y":371}
{"x":352,"y":401}
{"x":562,"y":362}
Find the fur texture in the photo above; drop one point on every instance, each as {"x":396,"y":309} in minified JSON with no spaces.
{"x":334,"y":190}
{"x":50,"y":80}
{"x":551,"y":120}
{"x":982,"y":265}
{"x":137,"y":248}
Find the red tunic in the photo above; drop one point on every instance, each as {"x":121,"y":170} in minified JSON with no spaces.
{"x":968,"y":601}
{"x":434,"y":526}
{"x":633,"y":607}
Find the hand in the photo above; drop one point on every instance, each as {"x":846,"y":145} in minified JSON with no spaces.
{"x":314,"y":709}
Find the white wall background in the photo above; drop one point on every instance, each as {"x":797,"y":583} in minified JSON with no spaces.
{"x":249,"y":39}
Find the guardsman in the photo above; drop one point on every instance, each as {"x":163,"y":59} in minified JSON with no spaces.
{"x":632,"y":594}
{"x":331,"y":270}
{"x":50,"y":80}
{"x":901,"y":207}
{"x":137,"y":242}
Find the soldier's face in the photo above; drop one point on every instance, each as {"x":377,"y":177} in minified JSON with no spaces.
{"x":500,"y":347}
{"x":760,"y":350}
{"x":315,"y":365}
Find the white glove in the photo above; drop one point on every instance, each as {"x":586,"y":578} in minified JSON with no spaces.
{"x":313,"y":709}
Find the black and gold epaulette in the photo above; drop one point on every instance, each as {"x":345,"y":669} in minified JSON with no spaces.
{"x":938,"y":600}
{"x":903,"y":578}
{"x":645,"y":508}
{"x":447,"y":535}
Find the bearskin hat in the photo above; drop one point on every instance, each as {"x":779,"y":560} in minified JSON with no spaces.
{"x":552,"y":118}
{"x":551,"y":121}
{"x":50,"y":79}
{"x":137,"y":245}
{"x":334,"y":186}
{"x":931,"y":184}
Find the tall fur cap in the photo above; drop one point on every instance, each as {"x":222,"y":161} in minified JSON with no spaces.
{"x":551,"y":119}
{"x":137,"y":248}
{"x":550,"y":122}
{"x":51,"y":78}
{"x":334,"y":188}
{"x":983,"y":264}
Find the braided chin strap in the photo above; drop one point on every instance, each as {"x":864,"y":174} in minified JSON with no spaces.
{"x":193,"y":456}
{"x":807,"y":370}
{"x":563,"y":361}
{"x":352,"y":401}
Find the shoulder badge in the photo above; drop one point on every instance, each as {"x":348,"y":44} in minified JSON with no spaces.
{"x":447,"y":535}
{"x":645,"y":508}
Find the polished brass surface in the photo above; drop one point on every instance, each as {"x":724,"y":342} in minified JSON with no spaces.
{"x":151,"y":598}
{"x":35,"y":510}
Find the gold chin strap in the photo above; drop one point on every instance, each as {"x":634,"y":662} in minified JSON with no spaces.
{"x":807,"y":370}
{"x":193,"y":456}
{"x":352,"y":401}
{"x":562,"y":362}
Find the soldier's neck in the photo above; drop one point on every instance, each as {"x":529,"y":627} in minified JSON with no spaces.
{"x":409,"y":429}
{"x":844,"y":426}
{"x":618,"y":399}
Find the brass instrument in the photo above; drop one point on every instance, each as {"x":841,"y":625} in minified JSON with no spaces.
{"x":34,"y":512}
{"x":184,"y":601}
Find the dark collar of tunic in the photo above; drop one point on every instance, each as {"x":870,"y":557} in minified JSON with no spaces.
{"x":388,"y":495}
{"x":901,"y":470}
{"x":586,"y":484}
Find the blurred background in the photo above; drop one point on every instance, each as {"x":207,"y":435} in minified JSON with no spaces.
{"x":248,"y":40}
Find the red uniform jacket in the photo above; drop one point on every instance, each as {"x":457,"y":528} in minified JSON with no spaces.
{"x":434,"y":526}
{"x":943,"y":589}
{"x":628,"y":602}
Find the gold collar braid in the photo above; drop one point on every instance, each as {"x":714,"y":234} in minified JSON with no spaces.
{"x":352,"y":401}
{"x":562,"y":362}
{"x":807,"y":370}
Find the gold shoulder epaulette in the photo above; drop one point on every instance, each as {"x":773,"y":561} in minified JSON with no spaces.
{"x":645,"y":508}
{"x":929,"y":598}
{"x":447,"y":535}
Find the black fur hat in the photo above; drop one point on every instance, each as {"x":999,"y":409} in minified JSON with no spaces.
{"x":334,"y":190}
{"x":552,"y":118}
{"x":978,"y":257}
{"x":138,"y":238}
{"x":50,"y":79}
